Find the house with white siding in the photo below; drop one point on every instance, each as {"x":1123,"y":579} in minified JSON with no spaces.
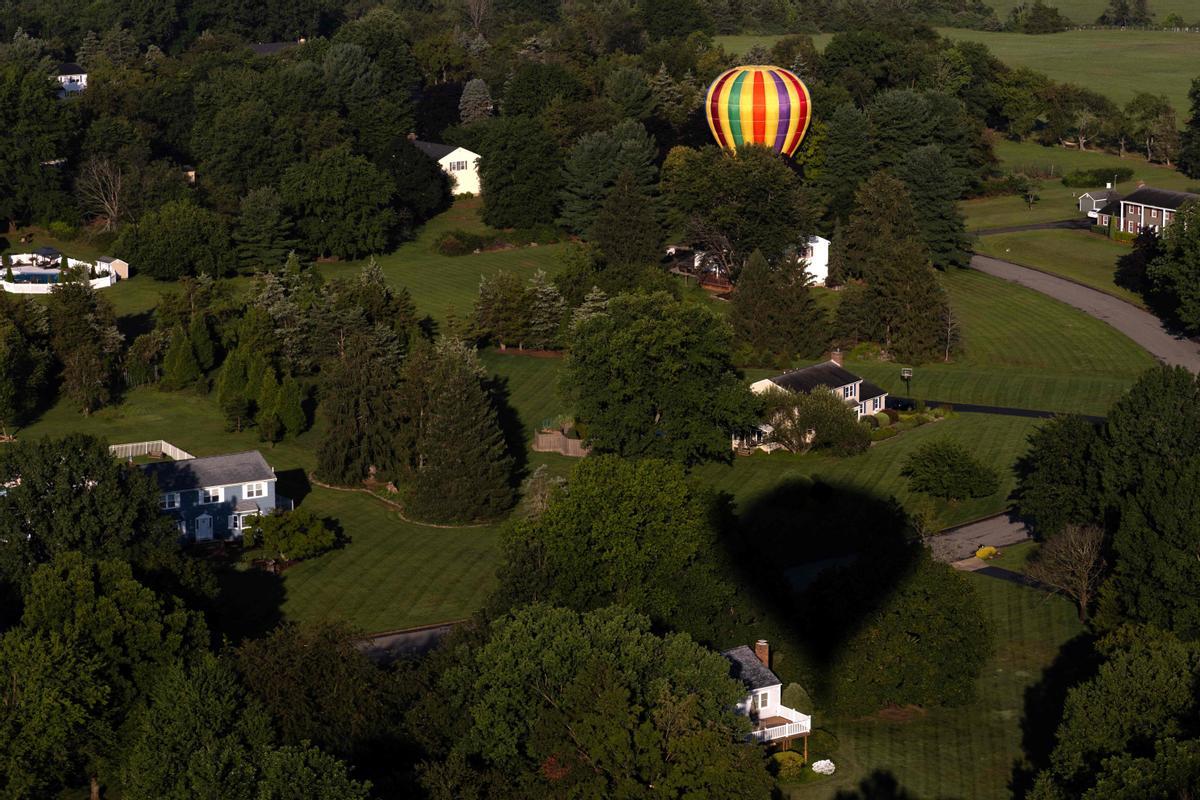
{"x":774,"y":723}
{"x":458,"y":162}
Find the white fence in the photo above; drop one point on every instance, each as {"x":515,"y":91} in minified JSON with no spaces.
{"x":157,"y":448}
{"x":797,"y":725}
{"x":45,"y":288}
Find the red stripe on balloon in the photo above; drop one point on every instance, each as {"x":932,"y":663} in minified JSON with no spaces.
{"x":714,"y":107}
{"x":802,"y":112}
{"x":760,"y":109}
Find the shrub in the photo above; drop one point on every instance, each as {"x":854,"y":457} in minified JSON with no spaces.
{"x":922,"y":419}
{"x":882,"y":419}
{"x":1124,"y":237}
{"x":870,"y":422}
{"x":944,"y":410}
{"x":920,"y":406}
{"x":292,"y":535}
{"x":946,"y":469}
{"x":788,"y":765}
{"x":883,"y":433}
{"x":63,"y":231}
{"x":461,"y":243}
{"x":986,"y":552}
{"x":892,"y":414}
{"x":1091,"y":178}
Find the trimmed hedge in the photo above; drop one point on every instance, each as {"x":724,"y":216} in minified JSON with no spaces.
{"x":947,"y":470}
{"x":1091,"y":178}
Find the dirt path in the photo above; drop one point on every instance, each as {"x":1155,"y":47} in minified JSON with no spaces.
{"x":1140,"y":326}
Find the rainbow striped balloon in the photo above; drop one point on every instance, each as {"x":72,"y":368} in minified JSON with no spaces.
{"x":759,"y":105}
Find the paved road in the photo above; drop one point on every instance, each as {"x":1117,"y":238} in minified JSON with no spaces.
{"x":956,"y":544}
{"x":386,"y":648}
{"x":1141,"y":326}
{"x":1069,"y":224}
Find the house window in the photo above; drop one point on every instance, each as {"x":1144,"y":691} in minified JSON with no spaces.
{"x":1154,"y":213}
{"x":764,"y":700}
{"x":234,"y":522}
{"x":208,"y":496}
{"x":847,"y":391}
{"x":458,"y":166}
{"x":1132,"y":226}
{"x":169,"y":501}
{"x":874,"y":403}
{"x":254,"y":490}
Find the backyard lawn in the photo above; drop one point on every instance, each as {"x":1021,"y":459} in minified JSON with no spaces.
{"x":1080,"y":256}
{"x":1058,"y":201}
{"x":966,"y":752}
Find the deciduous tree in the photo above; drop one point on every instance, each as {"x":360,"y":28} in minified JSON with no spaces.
{"x":1072,"y":562}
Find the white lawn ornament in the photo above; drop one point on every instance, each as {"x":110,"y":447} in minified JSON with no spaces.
{"x":824,"y":767}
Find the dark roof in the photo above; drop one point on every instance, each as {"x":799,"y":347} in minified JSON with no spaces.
{"x":69,"y":68}
{"x":271,"y":48}
{"x":746,"y":667}
{"x":105,"y":260}
{"x":47,"y":252}
{"x":869,"y":391}
{"x":198,"y":473}
{"x":1102,"y":194}
{"x":805,"y":380}
{"x":1113,"y":209}
{"x":1160,"y":198}
{"x":435,"y":150}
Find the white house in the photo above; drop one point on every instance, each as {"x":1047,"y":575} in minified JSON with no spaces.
{"x":815,"y":253}
{"x":458,"y":162}
{"x":71,"y":78}
{"x":773,"y":721}
{"x":40,"y":271}
{"x":864,"y":396}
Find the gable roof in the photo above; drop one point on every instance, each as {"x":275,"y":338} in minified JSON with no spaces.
{"x":1160,"y":198}
{"x":869,"y":391}
{"x":1113,"y":208}
{"x":805,"y":380}
{"x":1102,"y":194}
{"x":435,"y":150}
{"x":69,"y":68}
{"x":746,"y":667}
{"x":198,"y":473}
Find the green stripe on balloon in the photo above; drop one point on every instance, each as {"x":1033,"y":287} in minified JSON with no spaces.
{"x":735,"y":109}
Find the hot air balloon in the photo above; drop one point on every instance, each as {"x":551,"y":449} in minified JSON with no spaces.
{"x":759,"y":105}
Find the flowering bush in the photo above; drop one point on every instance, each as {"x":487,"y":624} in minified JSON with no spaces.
{"x":824,"y":767}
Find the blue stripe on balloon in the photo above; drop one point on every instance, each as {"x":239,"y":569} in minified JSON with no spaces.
{"x":785,"y":111}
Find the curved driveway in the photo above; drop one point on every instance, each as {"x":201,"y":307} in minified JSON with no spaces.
{"x":1141,"y":326}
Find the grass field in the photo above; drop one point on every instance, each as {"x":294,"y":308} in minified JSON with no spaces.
{"x":1081,"y":256}
{"x":966,"y":752}
{"x":1118,"y":64}
{"x":1085,"y":12}
{"x":1058,"y":201}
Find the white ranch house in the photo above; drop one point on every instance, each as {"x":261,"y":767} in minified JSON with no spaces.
{"x":774,"y":723}
{"x":814,"y":251}
{"x":458,"y":162}
{"x":71,"y":78}
{"x":38,"y":272}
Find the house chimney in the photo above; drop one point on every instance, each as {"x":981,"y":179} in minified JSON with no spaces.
{"x":763,"y":651}
{"x":836,"y":357}
{"x":1141,"y":184}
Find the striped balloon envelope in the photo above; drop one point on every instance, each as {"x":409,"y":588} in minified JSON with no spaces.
{"x":759,"y":105}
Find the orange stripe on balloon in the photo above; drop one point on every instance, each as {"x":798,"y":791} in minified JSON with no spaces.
{"x":760,"y":109}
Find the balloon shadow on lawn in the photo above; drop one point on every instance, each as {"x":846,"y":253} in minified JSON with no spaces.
{"x":1076,"y":661}
{"x":516,"y":436}
{"x":250,"y":604}
{"x":817,"y":560}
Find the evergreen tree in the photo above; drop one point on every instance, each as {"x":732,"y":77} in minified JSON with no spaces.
{"x":291,"y":407}
{"x":501,"y":312}
{"x":628,"y":229}
{"x":838,"y":257}
{"x":593,"y":166}
{"x":256,"y":367}
{"x":629,"y":92}
{"x":359,"y":400}
{"x":180,"y":368}
{"x":202,"y":343}
{"x":1189,"y":150}
{"x":85,"y":339}
{"x":520,"y":172}
{"x":231,"y":390}
{"x":908,"y":304}
{"x":466,"y":471}
{"x":774,"y":312}
{"x":883,"y":219}
{"x":270,"y":428}
{"x":265,"y":233}
{"x":931,"y":183}
{"x":546,"y":310}
{"x":476,"y":102}
{"x":847,"y":159}
{"x":594,"y":304}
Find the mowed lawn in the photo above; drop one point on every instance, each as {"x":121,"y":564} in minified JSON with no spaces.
{"x":442,"y":286}
{"x":1118,"y":64}
{"x":1086,"y":12}
{"x":965,"y":752}
{"x":1021,"y":349}
{"x":1058,"y":201}
{"x":1081,"y":256}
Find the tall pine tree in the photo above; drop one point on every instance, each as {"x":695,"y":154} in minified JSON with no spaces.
{"x":908,"y":304}
{"x":546,"y":311}
{"x":931,"y":182}
{"x":466,"y":470}
{"x":270,"y":429}
{"x":180,"y":369}
{"x":847,"y":158}
{"x":202,"y":343}
{"x":628,"y":230}
{"x":265,"y":233}
{"x":883,"y":218}
{"x":1189,"y":151}
{"x":231,"y":390}
{"x":291,"y":407}
{"x":775,"y":314}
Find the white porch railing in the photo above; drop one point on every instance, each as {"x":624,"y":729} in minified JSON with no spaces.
{"x":155,"y":448}
{"x":797,"y":725}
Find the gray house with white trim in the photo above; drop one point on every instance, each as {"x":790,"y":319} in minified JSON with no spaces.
{"x":212,"y":498}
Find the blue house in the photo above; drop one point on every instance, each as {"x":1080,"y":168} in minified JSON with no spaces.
{"x":211,"y":498}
